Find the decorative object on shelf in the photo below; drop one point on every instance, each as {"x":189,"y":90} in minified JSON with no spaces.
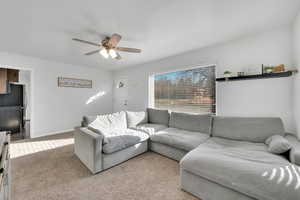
{"x":252,"y":69}
{"x":74,"y":82}
{"x":227,"y":74}
{"x":293,"y":71}
{"x":120,"y":84}
{"x":279,"y":68}
{"x":267,"y":69}
{"x":241,"y":73}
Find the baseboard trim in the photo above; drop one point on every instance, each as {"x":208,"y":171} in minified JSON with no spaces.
{"x":53,"y":133}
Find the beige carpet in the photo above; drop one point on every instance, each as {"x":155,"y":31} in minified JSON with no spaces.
{"x":46,"y":168}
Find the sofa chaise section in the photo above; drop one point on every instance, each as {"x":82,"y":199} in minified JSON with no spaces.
{"x":239,"y":166}
{"x":235,"y":163}
{"x":209,"y":190}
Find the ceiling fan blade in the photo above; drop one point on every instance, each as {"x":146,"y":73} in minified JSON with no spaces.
{"x":92,"y":52}
{"x":114,"y":40}
{"x":118,"y":56}
{"x":131,"y":50}
{"x":87,"y":42}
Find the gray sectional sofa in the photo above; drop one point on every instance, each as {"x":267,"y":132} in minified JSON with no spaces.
{"x":221,"y":158}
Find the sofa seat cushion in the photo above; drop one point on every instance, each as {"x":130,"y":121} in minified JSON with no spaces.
{"x":121,"y":139}
{"x":151,"y":128}
{"x":245,"y":167}
{"x":180,"y":139}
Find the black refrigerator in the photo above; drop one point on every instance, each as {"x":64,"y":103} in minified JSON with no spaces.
{"x":11,"y":109}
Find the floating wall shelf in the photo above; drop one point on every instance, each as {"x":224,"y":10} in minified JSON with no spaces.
{"x":257,"y":76}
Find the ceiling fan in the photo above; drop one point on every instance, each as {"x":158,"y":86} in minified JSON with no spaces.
{"x":109,"y":47}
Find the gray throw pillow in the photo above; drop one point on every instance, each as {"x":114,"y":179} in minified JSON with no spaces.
{"x":278,"y":144}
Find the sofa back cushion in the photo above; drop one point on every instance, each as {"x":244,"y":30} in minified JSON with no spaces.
{"x":156,"y":116}
{"x":136,"y":118}
{"x":247,"y":128}
{"x":191,"y":122}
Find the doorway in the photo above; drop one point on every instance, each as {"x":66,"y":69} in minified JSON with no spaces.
{"x":15,"y":106}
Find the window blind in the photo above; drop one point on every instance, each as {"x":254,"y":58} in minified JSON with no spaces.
{"x":186,"y":91}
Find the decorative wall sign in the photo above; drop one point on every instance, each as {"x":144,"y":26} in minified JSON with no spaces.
{"x":74,"y":82}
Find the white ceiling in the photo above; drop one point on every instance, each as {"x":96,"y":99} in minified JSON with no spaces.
{"x":161,"y":28}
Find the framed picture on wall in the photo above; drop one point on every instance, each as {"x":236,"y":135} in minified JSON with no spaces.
{"x":74,"y":82}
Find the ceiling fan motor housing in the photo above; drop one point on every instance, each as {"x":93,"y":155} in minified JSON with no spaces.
{"x":104,"y":43}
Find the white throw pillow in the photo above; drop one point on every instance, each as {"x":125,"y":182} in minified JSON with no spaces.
{"x":105,"y":124}
{"x":136,"y":118}
{"x":118,"y":120}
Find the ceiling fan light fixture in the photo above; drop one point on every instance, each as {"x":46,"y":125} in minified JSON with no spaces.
{"x":104,"y":53}
{"x":112,"y":53}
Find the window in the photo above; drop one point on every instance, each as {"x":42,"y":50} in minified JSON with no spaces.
{"x":186,"y":91}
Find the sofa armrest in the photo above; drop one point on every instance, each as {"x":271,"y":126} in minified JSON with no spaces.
{"x":88,"y":148}
{"x":295,"y":151}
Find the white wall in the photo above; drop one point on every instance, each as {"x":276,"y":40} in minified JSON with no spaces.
{"x":296,"y":102}
{"x":57,"y":109}
{"x":268,"y":97}
{"x":25,"y":79}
